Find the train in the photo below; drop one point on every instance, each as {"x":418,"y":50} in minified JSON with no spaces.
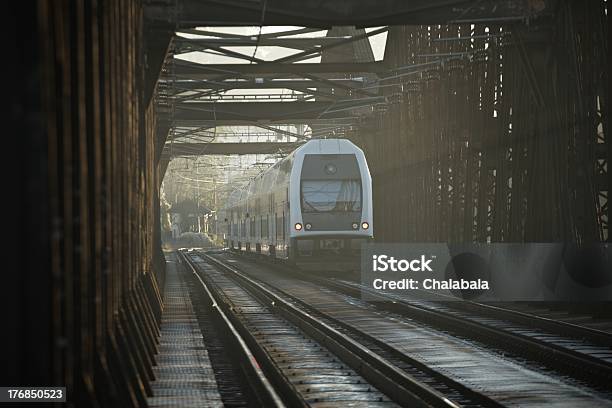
{"x":315,"y":204}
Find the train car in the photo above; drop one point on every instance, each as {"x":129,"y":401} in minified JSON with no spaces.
{"x":314,"y":204}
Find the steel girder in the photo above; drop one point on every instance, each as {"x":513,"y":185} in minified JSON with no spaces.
{"x":360,"y":13}
{"x":195,"y":149}
{"x":203,"y":71}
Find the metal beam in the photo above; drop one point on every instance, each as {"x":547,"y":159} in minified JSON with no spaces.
{"x":265,"y":84}
{"x":315,"y":13}
{"x":300,"y":56}
{"x":345,"y":120}
{"x":326,"y":47}
{"x":296,"y":31}
{"x":157,"y":43}
{"x":199,"y":149}
{"x":273,"y":111}
{"x":184,"y":44}
{"x":192,"y":70}
{"x":251,"y":111}
{"x":219,"y":34}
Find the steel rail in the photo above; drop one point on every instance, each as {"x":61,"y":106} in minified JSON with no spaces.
{"x":270,"y":396}
{"x":388,"y":378}
{"x":559,"y":327}
{"x":570,"y":361}
{"x":388,"y":350}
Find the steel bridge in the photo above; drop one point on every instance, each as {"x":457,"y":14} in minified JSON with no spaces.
{"x":484,"y":122}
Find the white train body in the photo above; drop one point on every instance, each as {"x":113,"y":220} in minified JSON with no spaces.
{"x":317,"y":201}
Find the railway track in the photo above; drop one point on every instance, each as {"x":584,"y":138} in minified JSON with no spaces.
{"x":580,"y":351}
{"x":315,"y":360}
{"x":258,"y":385}
{"x":576,"y":351}
{"x":400,"y":334}
{"x":594,"y":325}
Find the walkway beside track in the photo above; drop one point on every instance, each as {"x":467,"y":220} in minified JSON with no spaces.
{"x":183,"y":375}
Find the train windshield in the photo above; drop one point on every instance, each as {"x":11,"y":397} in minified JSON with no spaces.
{"x":331,"y":195}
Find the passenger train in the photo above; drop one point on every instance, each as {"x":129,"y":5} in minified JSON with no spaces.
{"x":314,"y":203}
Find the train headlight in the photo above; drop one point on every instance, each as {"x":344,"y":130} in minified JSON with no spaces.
{"x":355,"y":226}
{"x":330,"y":168}
{"x":308,"y":226}
{"x":298,"y":226}
{"x":365,"y":225}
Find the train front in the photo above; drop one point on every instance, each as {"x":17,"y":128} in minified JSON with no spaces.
{"x":330,"y":203}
